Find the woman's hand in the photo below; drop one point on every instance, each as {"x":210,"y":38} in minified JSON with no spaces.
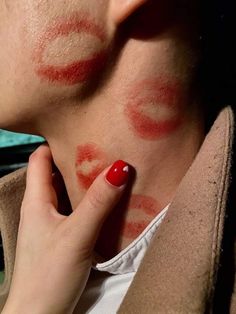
{"x":54,"y":253}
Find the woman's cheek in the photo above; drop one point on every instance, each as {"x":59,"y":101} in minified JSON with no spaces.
{"x":70,"y":50}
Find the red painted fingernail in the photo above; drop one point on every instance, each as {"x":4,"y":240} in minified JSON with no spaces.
{"x":118,"y":174}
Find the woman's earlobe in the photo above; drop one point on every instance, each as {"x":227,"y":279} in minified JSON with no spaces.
{"x":120,"y":10}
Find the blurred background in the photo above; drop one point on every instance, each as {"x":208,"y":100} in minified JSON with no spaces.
{"x":15,"y":149}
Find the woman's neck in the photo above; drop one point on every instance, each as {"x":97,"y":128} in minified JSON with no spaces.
{"x":160,"y":165}
{"x":146,"y":115}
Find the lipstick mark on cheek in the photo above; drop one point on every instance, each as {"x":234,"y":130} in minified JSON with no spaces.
{"x":80,"y":70}
{"x":90,"y":162}
{"x":160,"y":95}
{"x":145,"y":205}
{"x":77,"y":72}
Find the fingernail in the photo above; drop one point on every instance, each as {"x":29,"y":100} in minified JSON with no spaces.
{"x":118,"y":174}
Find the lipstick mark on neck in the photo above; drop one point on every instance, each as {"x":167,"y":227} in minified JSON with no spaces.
{"x":90,"y":162}
{"x":143,"y":205}
{"x":164,"y":98}
{"x":78,"y":71}
{"x":127,"y":221}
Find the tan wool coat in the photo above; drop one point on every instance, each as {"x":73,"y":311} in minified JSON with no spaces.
{"x":189,"y":266}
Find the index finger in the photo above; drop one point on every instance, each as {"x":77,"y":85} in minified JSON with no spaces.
{"x":39,"y":182}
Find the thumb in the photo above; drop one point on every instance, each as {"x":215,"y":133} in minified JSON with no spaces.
{"x":86,"y":220}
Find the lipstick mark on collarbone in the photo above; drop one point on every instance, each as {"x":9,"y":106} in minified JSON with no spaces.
{"x":92,"y":38}
{"x":90,"y":162}
{"x":144,"y":208}
{"x":154,"y":107}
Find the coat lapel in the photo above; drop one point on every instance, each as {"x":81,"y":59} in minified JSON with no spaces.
{"x":12,"y":189}
{"x":178,"y":272}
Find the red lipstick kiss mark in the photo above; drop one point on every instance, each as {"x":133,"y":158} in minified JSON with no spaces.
{"x":146,"y":204}
{"x":78,"y":71}
{"x":90,"y":162}
{"x":156,"y":94}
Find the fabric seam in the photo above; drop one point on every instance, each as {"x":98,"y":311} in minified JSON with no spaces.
{"x":225,"y":167}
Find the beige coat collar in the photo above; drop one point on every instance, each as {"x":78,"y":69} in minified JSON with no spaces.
{"x":178,"y":272}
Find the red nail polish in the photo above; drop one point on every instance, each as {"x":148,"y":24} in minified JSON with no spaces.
{"x":118,"y":174}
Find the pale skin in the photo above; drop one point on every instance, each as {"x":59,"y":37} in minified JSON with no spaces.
{"x":93,"y":111}
{"x":54,"y":242}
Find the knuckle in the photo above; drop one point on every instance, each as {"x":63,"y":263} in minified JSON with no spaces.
{"x":32,"y":157}
{"x":41,"y":152}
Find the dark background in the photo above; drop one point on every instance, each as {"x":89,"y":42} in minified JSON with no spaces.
{"x":218,"y":69}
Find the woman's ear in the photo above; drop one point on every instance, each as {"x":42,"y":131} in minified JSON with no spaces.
{"x":120,"y":10}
